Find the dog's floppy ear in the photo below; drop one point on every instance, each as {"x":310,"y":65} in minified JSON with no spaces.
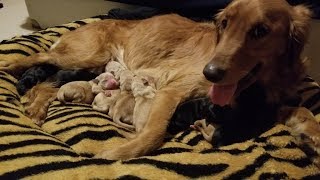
{"x":218,"y":17}
{"x":299,"y":31}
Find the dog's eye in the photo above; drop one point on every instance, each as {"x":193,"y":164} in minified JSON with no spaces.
{"x":224,"y":24}
{"x":259,"y":31}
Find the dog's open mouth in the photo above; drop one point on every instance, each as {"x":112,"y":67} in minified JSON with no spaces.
{"x":223,"y":94}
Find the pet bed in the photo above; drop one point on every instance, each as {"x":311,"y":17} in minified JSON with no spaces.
{"x":72,"y":133}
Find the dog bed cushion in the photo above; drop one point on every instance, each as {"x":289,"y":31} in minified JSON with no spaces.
{"x":62,"y":148}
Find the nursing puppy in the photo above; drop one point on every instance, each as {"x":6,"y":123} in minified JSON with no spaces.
{"x":102,"y":83}
{"x":76,"y":92}
{"x":143,"y":90}
{"x":122,"y":110}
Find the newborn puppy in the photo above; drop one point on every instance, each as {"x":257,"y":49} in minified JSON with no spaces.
{"x":118,"y":105}
{"x":115,"y":68}
{"x":122,"y":111}
{"x":64,"y":76}
{"x":126,"y":77}
{"x":37,"y":97}
{"x":34,"y":75}
{"x":105,"y":81}
{"x":143,"y":89}
{"x":77,"y":92}
{"x":104,"y":100}
{"x":40,"y":73}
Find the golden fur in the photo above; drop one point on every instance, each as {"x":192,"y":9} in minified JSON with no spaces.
{"x":122,"y":110}
{"x":143,"y":90}
{"x":174,"y":50}
{"x":76,"y":92}
{"x":38,"y":100}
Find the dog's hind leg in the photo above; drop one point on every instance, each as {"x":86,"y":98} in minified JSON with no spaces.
{"x":63,"y":61}
{"x":88,"y":47}
{"x":153,"y":133}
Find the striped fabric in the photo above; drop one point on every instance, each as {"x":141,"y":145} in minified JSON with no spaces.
{"x":62,"y":148}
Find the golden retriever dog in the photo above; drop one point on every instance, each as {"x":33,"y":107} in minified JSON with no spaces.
{"x":176,"y":51}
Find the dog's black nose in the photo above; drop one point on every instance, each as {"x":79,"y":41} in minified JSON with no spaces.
{"x":212,"y":73}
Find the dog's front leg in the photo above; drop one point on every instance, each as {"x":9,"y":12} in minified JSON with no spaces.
{"x":153,"y":133}
{"x":305,"y":128}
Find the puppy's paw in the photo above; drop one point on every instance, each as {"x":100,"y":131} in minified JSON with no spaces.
{"x":207,"y":130}
{"x":78,"y":97}
{"x":199,"y":125}
{"x":101,"y":108}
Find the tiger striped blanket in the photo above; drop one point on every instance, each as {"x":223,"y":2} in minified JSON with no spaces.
{"x":62,"y":148}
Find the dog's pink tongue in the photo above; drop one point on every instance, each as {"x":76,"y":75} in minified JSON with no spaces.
{"x":222,"y":94}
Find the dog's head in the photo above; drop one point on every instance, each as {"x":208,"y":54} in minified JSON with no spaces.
{"x":253,"y":36}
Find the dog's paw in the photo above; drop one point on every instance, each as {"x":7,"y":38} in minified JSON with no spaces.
{"x":5,"y":64}
{"x":305,"y":128}
{"x":9,"y":66}
{"x":36,"y":115}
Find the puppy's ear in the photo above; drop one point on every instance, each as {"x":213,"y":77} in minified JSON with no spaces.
{"x":299,"y":31}
{"x":145,"y":81}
